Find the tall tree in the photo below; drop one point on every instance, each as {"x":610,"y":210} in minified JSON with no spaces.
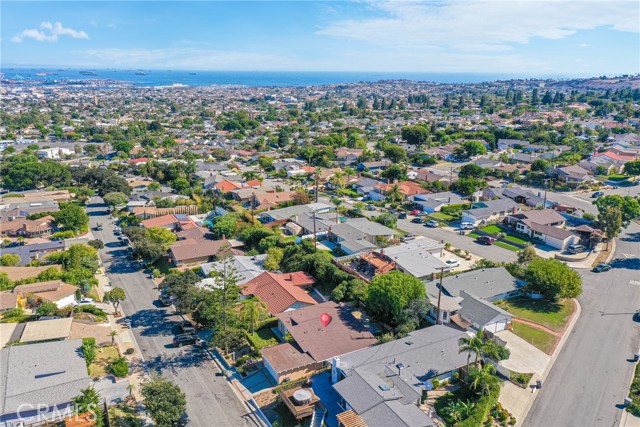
{"x":471,"y":345}
{"x":553,"y":279}
{"x":390,"y":294}
{"x":164,"y":401}
{"x":610,"y":220}
{"x":253,"y":311}
{"x":115,"y":296}
{"x":628,"y":206}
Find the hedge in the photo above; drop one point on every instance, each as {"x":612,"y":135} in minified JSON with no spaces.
{"x":481,"y":411}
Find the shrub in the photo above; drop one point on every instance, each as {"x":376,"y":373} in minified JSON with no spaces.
{"x":14,"y":312}
{"x":481,"y":410}
{"x":435,"y":382}
{"x":68,"y":234}
{"x":129,"y":351}
{"x":119,"y":367}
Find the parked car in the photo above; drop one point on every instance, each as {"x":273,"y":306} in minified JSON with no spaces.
{"x":602,"y":267}
{"x":186,"y":327}
{"x":597,"y":194}
{"x":184,"y":339}
{"x":371,"y":208}
{"x":432,"y":223}
{"x":576,"y":249}
{"x":165,"y":299}
{"x":418,"y":220}
{"x":408,"y":237}
{"x":98,"y":227}
{"x":467,"y":226}
{"x":452,"y":263}
{"x":84,"y":301}
{"x":486,"y":240}
{"x":415,"y":212}
{"x":403,"y":215}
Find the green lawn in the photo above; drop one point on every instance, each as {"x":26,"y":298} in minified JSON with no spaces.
{"x":516,"y":239}
{"x":100,"y":366}
{"x":493,"y":229}
{"x":263,"y":338}
{"x":536,"y":337}
{"x":443,"y":217}
{"x":507,"y":246}
{"x":546,"y":313}
{"x":473,"y":235}
{"x":617,"y":177}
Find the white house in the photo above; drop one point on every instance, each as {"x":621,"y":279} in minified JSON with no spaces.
{"x":54,"y":153}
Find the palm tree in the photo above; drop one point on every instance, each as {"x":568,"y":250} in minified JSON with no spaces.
{"x":471,"y":345}
{"x":113,"y":334}
{"x":338,"y":180}
{"x":252,"y":311}
{"x":483,"y":379}
{"x":394,"y":195}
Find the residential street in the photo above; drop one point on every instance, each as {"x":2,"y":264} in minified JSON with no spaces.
{"x":210,"y":399}
{"x":590,"y":379}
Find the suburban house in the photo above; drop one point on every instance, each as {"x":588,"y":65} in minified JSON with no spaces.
{"x":21,"y":273}
{"x":40,"y":381}
{"x":491,"y":284}
{"x":504,"y":144}
{"x":245,"y":268}
{"x":405,"y":188}
{"x":383,"y":385}
{"x":373,"y":167}
{"x":518,"y":195}
{"x":55,"y":153}
{"x":196,"y":251}
{"x":434,"y":202}
{"x":359,"y":234}
{"x":34,"y":251}
{"x":281,"y":292}
{"x":490,"y":210}
{"x":41,"y":227}
{"x":269,"y":200}
{"x":544,"y":226}
{"x":315,"y":344}
{"x":46,"y":330}
{"x":173,"y":222}
{"x":477,"y":313}
{"x":285,"y":214}
{"x":347,"y":156}
{"x":57,"y":291}
{"x":426,"y":175}
{"x":365,"y":185}
{"x":571,"y":174}
{"x":419,"y":258}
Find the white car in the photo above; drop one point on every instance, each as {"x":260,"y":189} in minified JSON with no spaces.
{"x":452,"y":263}
{"x":467,"y":226}
{"x":84,"y":301}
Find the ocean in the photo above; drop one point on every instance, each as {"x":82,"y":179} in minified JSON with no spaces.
{"x":240,"y":78}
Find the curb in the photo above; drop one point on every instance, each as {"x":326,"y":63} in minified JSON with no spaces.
{"x":612,"y":251}
{"x":556,"y":352}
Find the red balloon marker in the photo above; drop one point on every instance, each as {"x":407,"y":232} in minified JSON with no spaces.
{"x":325,"y":319}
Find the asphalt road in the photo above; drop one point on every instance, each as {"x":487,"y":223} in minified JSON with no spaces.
{"x":210,"y":399}
{"x":591,"y":377}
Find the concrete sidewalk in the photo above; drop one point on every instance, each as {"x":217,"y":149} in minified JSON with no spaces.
{"x":519,"y":401}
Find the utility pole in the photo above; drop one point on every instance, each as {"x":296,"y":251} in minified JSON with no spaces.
{"x":317,"y":174}
{"x":253,"y":202}
{"x":450,"y":176}
{"x":439,"y":295}
{"x":315,"y":236}
{"x":544,"y":203}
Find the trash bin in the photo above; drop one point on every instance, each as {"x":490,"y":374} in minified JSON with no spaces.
{"x":539,"y":384}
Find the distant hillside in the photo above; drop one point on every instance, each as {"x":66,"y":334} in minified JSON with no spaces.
{"x":598,"y":83}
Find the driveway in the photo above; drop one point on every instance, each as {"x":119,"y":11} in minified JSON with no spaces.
{"x":591,"y":376}
{"x":210,"y":399}
{"x":524,"y":358}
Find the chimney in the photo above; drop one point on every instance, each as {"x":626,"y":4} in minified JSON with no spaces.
{"x":291,"y":277}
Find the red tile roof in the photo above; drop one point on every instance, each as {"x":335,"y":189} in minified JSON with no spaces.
{"x":280,"y":291}
{"x":225,"y":186}
{"x":165,"y":220}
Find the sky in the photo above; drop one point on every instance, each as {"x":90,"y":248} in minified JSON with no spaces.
{"x":519,"y":37}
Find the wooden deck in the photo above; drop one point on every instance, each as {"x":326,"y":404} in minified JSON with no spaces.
{"x":299,"y":411}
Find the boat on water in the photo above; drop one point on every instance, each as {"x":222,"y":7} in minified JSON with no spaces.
{"x":141,"y":73}
{"x":88,"y":73}
{"x":46,"y":73}
{"x":192,"y":74}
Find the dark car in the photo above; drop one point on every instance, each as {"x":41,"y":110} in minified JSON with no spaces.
{"x":186,"y":327}
{"x":602,"y":267}
{"x":165,"y":299}
{"x":486,"y":240}
{"x":184,"y":339}
{"x":597,"y":194}
{"x":403,"y":215}
{"x":418,"y":220}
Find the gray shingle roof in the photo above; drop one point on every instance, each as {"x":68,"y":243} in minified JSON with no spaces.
{"x":485,"y":283}
{"x":384,"y":395}
{"x":479,"y":311}
{"x":48,"y":373}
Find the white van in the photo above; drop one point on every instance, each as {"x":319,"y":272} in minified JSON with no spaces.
{"x":467,"y":226}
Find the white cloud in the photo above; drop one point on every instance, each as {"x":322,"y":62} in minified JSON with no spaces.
{"x":49,"y":32}
{"x":488,"y":25}
{"x":584,"y":45}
